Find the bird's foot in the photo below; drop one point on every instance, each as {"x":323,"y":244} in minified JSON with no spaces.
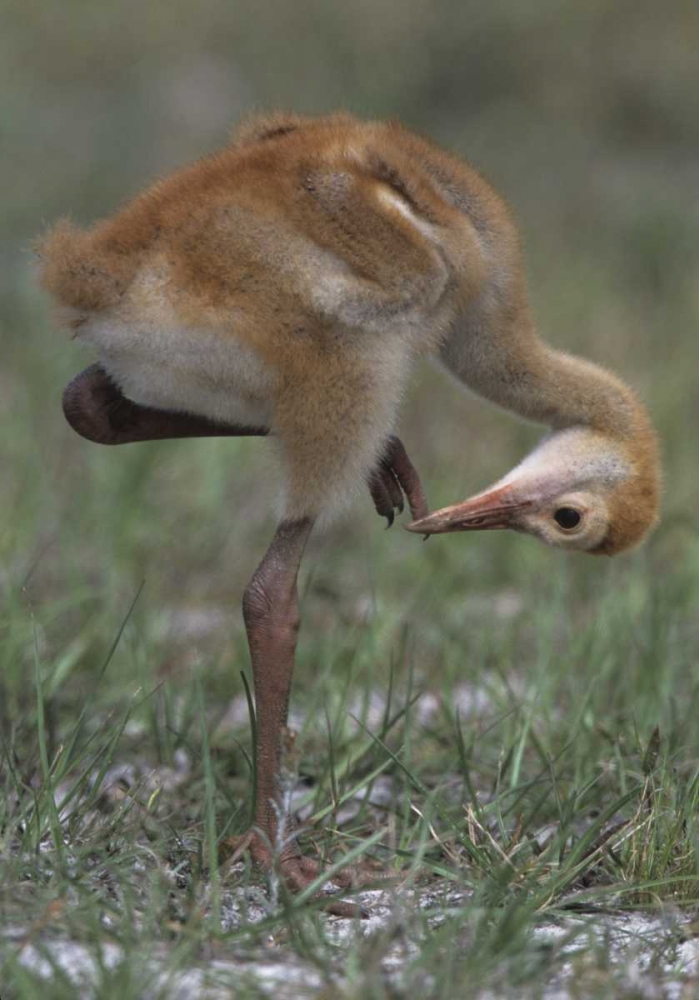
{"x":394,"y":476}
{"x":298,"y":871}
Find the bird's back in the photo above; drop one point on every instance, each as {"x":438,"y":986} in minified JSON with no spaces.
{"x":287,"y":281}
{"x":291,"y":205}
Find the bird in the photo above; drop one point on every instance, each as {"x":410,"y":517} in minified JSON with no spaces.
{"x":286,"y":286}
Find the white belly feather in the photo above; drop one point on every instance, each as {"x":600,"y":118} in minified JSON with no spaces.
{"x":158,"y":362}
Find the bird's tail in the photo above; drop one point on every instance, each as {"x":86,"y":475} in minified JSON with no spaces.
{"x":82,"y":276}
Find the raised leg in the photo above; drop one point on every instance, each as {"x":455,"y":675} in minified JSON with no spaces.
{"x":95,"y":408}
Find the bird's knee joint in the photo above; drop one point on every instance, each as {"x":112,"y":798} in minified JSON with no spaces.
{"x":87,"y":422}
{"x":257,"y":603}
{"x":269,"y":605}
{"x":92,"y":405}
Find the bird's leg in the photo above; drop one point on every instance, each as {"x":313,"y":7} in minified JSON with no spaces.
{"x":95,"y":408}
{"x":395,"y":475}
{"x":270,"y":611}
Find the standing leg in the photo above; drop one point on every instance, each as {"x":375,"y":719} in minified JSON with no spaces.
{"x":270,"y":610}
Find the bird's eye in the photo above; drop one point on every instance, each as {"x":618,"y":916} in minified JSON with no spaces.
{"x":567,"y":518}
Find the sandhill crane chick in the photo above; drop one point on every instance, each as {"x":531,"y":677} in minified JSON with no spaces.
{"x":286,"y":286}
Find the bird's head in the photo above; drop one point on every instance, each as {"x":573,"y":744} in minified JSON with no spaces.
{"x":579,"y":489}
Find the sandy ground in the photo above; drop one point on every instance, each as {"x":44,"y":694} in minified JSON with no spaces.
{"x":276,"y":971}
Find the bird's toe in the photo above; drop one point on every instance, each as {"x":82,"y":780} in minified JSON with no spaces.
{"x":394,"y":480}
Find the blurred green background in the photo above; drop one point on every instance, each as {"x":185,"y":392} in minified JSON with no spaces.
{"x":584,"y":115}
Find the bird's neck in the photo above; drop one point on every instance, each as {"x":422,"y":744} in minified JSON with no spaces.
{"x":528,"y":377}
{"x":562,"y":390}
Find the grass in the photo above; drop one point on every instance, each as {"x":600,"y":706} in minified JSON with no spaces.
{"x":513,"y":730}
{"x":512,"y":796}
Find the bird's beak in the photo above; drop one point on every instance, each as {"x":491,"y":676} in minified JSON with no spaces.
{"x":496,"y":508}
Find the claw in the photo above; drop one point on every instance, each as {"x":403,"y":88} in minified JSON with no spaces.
{"x":298,"y":872}
{"x":405,"y":475}
{"x":350,"y":911}
{"x":395,"y":480}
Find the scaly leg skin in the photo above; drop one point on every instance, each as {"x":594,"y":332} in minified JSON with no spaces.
{"x":270,"y":611}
